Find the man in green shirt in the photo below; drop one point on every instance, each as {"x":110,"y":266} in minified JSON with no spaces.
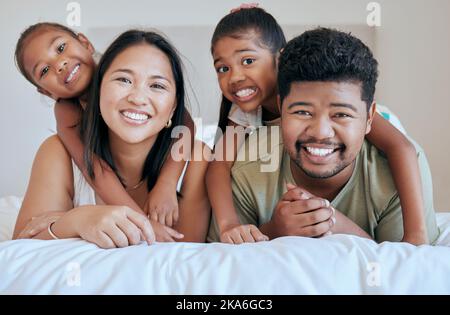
{"x":322,"y":153}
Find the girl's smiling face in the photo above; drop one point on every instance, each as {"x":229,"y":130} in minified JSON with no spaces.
{"x":246,"y":71}
{"x":58,"y":63}
{"x":138,"y":94}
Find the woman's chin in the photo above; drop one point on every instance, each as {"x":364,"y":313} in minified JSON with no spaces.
{"x":135,"y":137}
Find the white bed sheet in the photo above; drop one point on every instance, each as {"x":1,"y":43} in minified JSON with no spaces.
{"x":338,"y":264}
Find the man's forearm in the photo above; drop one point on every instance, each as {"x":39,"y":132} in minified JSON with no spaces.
{"x":346,"y":226}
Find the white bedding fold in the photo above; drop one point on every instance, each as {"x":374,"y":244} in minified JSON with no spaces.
{"x":290,"y":265}
{"x":338,"y":264}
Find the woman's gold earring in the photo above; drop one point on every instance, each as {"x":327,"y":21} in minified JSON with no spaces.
{"x":169,"y":123}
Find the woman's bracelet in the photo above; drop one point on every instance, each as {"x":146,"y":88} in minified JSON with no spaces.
{"x":49,"y":229}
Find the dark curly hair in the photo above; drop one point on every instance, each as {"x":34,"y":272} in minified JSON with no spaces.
{"x":325,"y":54}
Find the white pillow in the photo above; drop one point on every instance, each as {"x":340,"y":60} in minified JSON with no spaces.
{"x":9,"y":209}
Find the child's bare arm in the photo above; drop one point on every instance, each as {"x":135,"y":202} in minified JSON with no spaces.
{"x":162,"y":203}
{"x":218,"y":180}
{"x":218,"y":183}
{"x":106,"y":184}
{"x":402,"y":159}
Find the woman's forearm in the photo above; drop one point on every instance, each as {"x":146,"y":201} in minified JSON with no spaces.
{"x":64,"y":227}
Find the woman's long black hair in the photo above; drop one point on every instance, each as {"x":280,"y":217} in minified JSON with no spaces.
{"x":237,"y":25}
{"x":94,"y":130}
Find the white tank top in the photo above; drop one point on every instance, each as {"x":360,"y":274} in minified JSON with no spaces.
{"x":84,"y":194}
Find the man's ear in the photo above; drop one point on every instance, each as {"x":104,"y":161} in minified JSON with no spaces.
{"x":85,"y":42}
{"x":46,"y":93}
{"x":370,"y":114}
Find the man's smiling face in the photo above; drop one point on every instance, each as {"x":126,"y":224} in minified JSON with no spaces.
{"x":324,"y":125}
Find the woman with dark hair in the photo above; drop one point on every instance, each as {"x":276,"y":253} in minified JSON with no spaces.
{"x":137,"y":98}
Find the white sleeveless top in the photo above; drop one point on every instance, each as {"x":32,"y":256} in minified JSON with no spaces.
{"x":252,"y":120}
{"x":84,"y":194}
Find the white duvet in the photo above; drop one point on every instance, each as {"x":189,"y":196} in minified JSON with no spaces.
{"x":338,"y":264}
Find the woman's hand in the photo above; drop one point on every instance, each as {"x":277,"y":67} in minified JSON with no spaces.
{"x":242,"y":234}
{"x":162,"y":204}
{"x":107,"y":226}
{"x":39,"y":223}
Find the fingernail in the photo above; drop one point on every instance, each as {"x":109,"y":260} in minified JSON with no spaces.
{"x":333,"y":219}
{"x":327,"y":203}
{"x":328,"y":233}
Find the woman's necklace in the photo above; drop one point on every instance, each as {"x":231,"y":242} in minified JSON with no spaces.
{"x":135,"y":186}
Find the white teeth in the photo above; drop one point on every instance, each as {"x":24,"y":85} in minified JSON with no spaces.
{"x":245,"y":92}
{"x":319,"y":152}
{"x":75,"y":70}
{"x":136,"y":116}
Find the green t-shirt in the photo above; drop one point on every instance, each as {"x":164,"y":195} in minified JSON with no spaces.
{"x":369,"y":198}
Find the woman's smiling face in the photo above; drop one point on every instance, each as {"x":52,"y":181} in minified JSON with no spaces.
{"x":138,"y":94}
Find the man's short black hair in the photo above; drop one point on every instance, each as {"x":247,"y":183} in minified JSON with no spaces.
{"x":325,"y":54}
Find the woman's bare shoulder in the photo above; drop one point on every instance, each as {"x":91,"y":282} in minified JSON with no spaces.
{"x":53,"y":156}
{"x":50,"y":187}
{"x":53,"y":146}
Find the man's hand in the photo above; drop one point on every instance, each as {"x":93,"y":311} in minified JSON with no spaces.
{"x":299,"y":213}
{"x":295,"y":215}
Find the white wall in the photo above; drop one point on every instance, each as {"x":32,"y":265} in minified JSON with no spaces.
{"x":413,"y":49}
{"x":412,"y":46}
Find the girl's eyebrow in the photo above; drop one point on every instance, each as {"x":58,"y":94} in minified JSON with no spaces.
{"x":237,"y":51}
{"x":51,"y":42}
{"x":245,"y":50}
